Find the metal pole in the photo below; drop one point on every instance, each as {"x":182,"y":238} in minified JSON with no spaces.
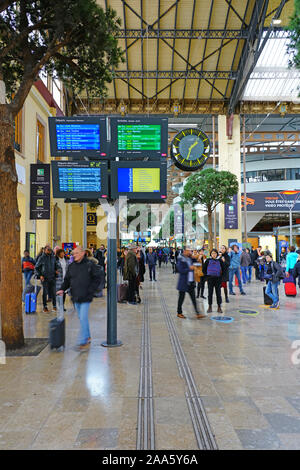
{"x":111,"y":284}
{"x":84,"y":235}
{"x":244,"y":172}
{"x":291,"y":227}
{"x":214,"y":167}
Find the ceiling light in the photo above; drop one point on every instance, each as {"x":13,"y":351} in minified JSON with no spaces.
{"x":276,"y":22}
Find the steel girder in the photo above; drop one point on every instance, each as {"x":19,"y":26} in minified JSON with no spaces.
{"x":175,"y":74}
{"x":183,"y":34}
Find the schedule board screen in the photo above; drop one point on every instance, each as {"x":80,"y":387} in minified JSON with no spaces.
{"x":78,"y":136}
{"x":139,"y":180}
{"x":140,"y":137}
{"x":88,"y":180}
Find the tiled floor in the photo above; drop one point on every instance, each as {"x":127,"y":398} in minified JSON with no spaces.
{"x":243,"y":370}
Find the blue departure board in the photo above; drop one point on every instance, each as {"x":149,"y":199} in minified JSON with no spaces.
{"x":78,"y":136}
{"x":79,"y":179}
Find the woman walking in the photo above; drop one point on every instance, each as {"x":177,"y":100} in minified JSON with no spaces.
{"x":213,"y":268}
{"x":245,"y":263}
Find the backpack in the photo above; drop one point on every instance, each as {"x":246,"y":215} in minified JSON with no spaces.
{"x":214,"y":268}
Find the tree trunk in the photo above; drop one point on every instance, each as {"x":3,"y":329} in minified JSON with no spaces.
{"x":10,"y":261}
{"x":210,"y":231}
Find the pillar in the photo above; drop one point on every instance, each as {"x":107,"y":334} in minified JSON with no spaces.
{"x":229,"y":147}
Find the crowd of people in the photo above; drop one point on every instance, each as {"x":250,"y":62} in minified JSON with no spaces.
{"x":81,"y":273}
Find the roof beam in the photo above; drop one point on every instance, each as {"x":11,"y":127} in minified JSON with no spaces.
{"x":252,"y":49}
{"x":182,"y":33}
{"x":176,"y":74}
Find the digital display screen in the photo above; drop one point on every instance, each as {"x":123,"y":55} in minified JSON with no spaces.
{"x":79,"y":179}
{"x":139,"y":137}
{"x":78,"y":136}
{"x":82,"y":180}
{"x":138,"y":180}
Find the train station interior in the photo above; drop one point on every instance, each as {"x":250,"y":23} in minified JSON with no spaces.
{"x":149,"y":379}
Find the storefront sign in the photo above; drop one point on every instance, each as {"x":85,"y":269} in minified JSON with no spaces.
{"x":91,"y":218}
{"x":40,"y":191}
{"x":231,"y":214}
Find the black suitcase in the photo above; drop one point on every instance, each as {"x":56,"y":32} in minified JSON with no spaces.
{"x":267,"y":299}
{"x":57,"y":333}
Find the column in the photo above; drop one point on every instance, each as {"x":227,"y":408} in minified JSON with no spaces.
{"x":229,"y":147}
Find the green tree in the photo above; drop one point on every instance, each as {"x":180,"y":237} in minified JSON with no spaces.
{"x":74,"y":40}
{"x":210,"y":188}
{"x":294,"y":27}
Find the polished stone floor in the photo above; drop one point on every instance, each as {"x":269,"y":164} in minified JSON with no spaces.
{"x":246,"y":373}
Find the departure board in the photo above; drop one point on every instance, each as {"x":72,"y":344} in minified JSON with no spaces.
{"x":139,"y":180}
{"x":139,"y":137}
{"x":78,"y":137}
{"x":79,"y":179}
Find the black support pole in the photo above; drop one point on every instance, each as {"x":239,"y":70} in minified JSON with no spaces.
{"x":111,"y":284}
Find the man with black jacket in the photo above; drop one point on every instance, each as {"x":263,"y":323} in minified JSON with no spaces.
{"x":46,"y":270}
{"x":83,"y":278}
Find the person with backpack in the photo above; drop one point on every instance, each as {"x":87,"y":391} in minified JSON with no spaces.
{"x":291,"y":260}
{"x":46,"y":270}
{"x":296,"y":271}
{"x":28,"y":264}
{"x":83,"y":278}
{"x":273,"y":275}
{"x":234,"y":269}
{"x":213,"y":268}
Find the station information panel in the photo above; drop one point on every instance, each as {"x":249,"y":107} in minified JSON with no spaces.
{"x":78,"y":136}
{"x":139,"y":180}
{"x":82,"y":180}
{"x":139,"y":137}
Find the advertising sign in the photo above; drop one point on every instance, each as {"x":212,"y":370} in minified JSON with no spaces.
{"x":178,"y":220}
{"x":231,"y":214}
{"x":281,"y":201}
{"x":40,"y":191}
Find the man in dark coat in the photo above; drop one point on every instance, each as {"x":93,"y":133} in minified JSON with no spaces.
{"x":186,"y":282}
{"x":83,"y":278}
{"x":131,"y":270}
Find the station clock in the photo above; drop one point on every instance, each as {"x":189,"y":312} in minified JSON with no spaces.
{"x":190,"y":149}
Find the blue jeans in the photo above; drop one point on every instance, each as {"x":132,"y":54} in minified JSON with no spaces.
{"x":83,"y":315}
{"x":272,"y":291}
{"x":249,"y":273}
{"x":232,"y":272}
{"x":244,"y":274}
{"x":27,"y":277}
{"x":152,"y":272}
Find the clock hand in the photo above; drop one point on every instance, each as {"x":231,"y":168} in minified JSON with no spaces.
{"x":190,"y":149}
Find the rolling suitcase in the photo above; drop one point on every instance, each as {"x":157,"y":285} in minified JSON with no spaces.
{"x":267,"y":298}
{"x":57,"y":335}
{"x":290,"y":287}
{"x":122,"y":292}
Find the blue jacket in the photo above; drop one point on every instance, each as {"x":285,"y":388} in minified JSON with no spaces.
{"x":151,"y":259}
{"x":183,"y":268}
{"x":235,"y":260}
{"x":291,"y":260}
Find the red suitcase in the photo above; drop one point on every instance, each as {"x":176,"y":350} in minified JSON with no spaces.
{"x":290,"y":289}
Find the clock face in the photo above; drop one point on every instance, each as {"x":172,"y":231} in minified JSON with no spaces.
{"x":190,"y":149}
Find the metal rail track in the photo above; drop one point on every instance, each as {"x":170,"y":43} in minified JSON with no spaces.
{"x":203,"y":433}
{"x":145,"y":425}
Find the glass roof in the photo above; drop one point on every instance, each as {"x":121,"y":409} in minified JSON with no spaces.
{"x":272,"y":79}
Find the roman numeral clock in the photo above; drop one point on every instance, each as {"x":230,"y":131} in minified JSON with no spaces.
{"x":190,"y":149}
